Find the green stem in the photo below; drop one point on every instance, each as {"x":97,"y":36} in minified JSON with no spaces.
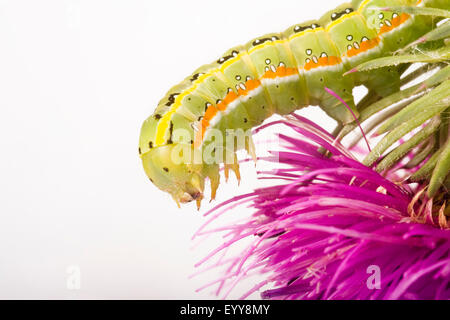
{"x":401,"y":130}
{"x":398,"y":153}
{"x":417,"y":73}
{"x":425,"y":149}
{"x":441,"y":170}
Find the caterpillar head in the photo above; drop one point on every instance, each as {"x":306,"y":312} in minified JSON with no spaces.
{"x":185,"y":182}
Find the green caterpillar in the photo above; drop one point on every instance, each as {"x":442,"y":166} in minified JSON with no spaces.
{"x":276,"y":73}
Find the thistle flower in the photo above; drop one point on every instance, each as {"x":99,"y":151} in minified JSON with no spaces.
{"x":334,"y":228}
{"x":338,"y":228}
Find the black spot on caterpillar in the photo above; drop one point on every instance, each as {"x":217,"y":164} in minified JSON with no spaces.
{"x":257,"y":42}
{"x":233,"y":54}
{"x":195,"y":76}
{"x":337,"y":15}
{"x":171,"y":99}
{"x":303,"y":28}
{"x":169,"y":141}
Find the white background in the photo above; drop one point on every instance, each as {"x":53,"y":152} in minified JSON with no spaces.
{"x":77,"y":79}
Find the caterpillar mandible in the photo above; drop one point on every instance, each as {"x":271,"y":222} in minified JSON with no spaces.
{"x":276,"y":73}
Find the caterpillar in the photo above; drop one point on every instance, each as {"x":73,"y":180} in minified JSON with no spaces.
{"x":275,"y":73}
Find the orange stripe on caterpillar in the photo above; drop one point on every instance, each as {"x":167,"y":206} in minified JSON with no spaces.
{"x":281,"y":71}
{"x":230,"y":97}
{"x":322,"y":62}
{"x":394,"y":23}
{"x":199,"y":133}
{"x":249,"y":85}
{"x":364,"y":46}
{"x":210,"y":113}
{"x":252,"y":84}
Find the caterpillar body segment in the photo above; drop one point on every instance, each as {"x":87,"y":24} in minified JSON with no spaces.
{"x":275,"y":73}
